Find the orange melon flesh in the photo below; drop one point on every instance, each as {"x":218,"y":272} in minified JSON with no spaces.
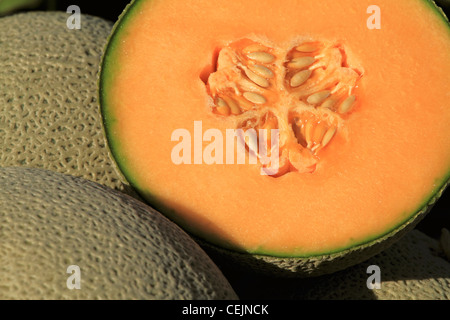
{"x":393,"y":159}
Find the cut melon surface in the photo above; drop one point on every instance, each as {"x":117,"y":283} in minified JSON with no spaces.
{"x":362,"y":114}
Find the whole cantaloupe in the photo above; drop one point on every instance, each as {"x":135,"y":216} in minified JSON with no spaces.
{"x":124,"y":249}
{"x":49,"y":112}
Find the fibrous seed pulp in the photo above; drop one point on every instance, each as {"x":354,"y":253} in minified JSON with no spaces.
{"x":304,"y":90}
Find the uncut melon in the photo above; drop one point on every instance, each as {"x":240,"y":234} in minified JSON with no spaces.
{"x":123,"y":248}
{"x":414,"y":268}
{"x":49,"y":111}
{"x":351,"y":108}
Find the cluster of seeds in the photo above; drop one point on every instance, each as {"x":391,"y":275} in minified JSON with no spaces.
{"x":312,"y":132}
{"x":305,"y":91}
{"x":330,"y":83}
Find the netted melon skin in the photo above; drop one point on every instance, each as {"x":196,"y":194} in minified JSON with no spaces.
{"x":125,"y":249}
{"x":414,"y":268}
{"x":49,"y":111}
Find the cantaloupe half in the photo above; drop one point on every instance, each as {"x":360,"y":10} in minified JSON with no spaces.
{"x":357,"y":97}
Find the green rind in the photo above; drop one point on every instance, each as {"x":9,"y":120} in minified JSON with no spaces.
{"x":108,"y":118}
{"x":312,"y":264}
{"x":439,"y":11}
{"x":103,"y":76}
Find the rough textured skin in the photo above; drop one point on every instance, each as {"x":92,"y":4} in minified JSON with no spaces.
{"x":125,"y":250}
{"x":49,"y":111}
{"x":319,"y":265}
{"x":414,"y":268}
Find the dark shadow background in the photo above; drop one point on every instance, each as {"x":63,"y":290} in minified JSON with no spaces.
{"x":247,"y":284}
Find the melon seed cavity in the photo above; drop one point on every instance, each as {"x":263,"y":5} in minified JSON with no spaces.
{"x":305,"y":90}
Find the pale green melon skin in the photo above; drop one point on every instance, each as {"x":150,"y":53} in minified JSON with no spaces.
{"x":49,"y":108}
{"x":414,"y":268}
{"x":125,"y":249}
{"x":270,"y":263}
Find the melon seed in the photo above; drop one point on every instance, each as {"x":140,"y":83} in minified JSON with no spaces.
{"x":300,"y":63}
{"x":306,"y":47}
{"x":260,"y":81}
{"x":309,"y":133}
{"x":244,"y":103}
{"x":234,"y":107}
{"x":347,"y":105}
{"x":260,"y":56}
{"x":328,"y":104}
{"x":222,"y":107}
{"x":253,"y":47}
{"x":254,"y":97}
{"x":318,"y":97}
{"x":262,"y":71}
{"x":328,"y":136}
{"x":221,"y":103}
{"x":300,"y":77}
